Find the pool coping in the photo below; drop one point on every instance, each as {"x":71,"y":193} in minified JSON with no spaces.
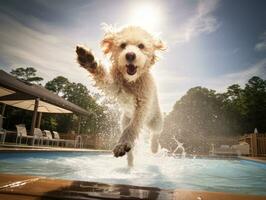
{"x":18,"y":149}
{"x":36,"y":187}
{"x":253,"y":159}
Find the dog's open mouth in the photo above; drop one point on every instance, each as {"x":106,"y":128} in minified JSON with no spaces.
{"x":131,"y":69}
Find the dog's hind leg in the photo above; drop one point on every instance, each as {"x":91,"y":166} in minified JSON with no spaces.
{"x":155,"y":125}
{"x":124,"y":123}
{"x":130,"y":158}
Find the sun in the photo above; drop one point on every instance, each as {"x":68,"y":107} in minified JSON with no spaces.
{"x":148,"y":16}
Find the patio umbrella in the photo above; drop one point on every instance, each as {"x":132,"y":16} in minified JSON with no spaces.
{"x":38,"y":99}
{"x":5,"y":91}
{"x":43,"y":107}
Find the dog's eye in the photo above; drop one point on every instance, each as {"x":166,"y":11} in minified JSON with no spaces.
{"x":141,"y":46}
{"x":123,"y":45}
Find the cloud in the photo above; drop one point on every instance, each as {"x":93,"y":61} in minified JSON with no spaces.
{"x":261,"y":45}
{"x":52,"y":53}
{"x":203,"y":22}
{"x":222,"y":82}
{"x":258,"y":69}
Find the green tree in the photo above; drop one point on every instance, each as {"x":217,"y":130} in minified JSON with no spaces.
{"x":234,"y":92}
{"x":99,"y":119}
{"x":79,"y":95}
{"x":195,"y":117}
{"x":57,"y":85}
{"x":254,"y":108}
{"x":233,"y":106}
{"x":27,"y":74}
{"x":202,"y":113}
{"x":247,"y":106}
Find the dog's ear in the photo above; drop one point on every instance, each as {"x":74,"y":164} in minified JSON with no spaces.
{"x":109,"y":36}
{"x":107,"y":42}
{"x":159,"y":45}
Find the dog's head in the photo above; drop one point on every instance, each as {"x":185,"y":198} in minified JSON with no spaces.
{"x":132,"y":50}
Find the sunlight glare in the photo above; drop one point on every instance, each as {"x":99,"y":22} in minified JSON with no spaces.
{"x":146,"y":15}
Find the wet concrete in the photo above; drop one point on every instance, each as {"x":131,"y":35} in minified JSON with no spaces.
{"x":14,"y":187}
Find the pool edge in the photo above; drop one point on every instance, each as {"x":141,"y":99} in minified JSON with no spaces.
{"x":253,"y":159}
{"x":19,"y":149}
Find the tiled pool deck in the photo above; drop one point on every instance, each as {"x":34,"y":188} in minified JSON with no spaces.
{"x":13,"y":187}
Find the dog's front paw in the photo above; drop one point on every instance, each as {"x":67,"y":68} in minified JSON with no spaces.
{"x":125,"y":143}
{"x":122,"y":149}
{"x":86,"y":59}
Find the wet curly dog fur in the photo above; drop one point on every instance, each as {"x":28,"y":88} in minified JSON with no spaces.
{"x":132,"y":52}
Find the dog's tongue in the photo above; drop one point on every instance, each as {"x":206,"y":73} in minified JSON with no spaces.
{"x":131,"y":69}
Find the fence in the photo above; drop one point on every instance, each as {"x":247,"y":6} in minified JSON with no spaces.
{"x":257,"y":143}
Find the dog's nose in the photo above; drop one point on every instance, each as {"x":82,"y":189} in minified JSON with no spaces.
{"x":131,"y":56}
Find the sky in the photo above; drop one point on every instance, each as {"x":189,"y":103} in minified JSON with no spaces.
{"x":210,"y":43}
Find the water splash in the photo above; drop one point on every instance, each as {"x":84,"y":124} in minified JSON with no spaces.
{"x":179,"y":146}
{"x":143,"y":154}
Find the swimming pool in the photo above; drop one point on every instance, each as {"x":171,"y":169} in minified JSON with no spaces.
{"x":223,"y":175}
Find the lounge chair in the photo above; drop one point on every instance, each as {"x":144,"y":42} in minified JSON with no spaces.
{"x":22,"y":133}
{"x":222,"y":150}
{"x":242,"y":148}
{"x":78,"y":142}
{"x":37,"y":135}
{"x":64,"y":141}
{"x":48,"y":137}
{"x":67,"y":142}
{"x":238,"y":149}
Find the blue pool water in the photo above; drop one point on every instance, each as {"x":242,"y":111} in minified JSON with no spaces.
{"x":223,"y":175}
